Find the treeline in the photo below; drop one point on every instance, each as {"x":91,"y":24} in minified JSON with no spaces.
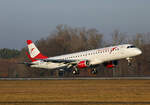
{"x":6,"y":53}
{"x":67,"y":40}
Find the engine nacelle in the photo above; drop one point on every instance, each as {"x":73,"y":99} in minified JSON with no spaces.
{"x":83,"y":64}
{"x":111,"y":64}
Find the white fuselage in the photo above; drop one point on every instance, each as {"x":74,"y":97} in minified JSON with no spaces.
{"x":95,"y":57}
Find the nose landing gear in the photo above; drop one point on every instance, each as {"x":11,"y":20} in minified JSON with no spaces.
{"x":129,"y":61}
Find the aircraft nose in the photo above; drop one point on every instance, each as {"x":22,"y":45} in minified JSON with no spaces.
{"x":139,"y":52}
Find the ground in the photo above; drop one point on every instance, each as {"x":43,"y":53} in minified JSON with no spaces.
{"x":75,"y":92}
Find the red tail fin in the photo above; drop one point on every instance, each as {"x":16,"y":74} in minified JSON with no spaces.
{"x":34,"y":53}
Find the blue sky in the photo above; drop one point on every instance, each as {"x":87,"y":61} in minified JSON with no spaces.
{"x":33,"y":19}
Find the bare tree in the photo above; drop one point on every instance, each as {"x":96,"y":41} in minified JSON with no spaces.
{"x":118,"y":38}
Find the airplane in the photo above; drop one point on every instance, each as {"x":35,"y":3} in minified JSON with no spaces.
{"x":108,"y":56}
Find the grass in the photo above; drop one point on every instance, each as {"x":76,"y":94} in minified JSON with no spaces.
{"x":71,"y":92}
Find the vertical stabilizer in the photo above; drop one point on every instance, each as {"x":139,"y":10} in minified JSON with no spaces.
{"x":34,"y":53}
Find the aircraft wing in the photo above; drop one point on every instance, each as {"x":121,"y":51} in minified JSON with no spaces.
{"x":58,"y":61}
{"x":69,"y":63}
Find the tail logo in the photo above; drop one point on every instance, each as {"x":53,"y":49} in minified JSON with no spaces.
{"x":34,"y":53}
{"x":32,"y":50}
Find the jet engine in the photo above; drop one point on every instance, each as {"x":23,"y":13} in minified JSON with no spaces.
{"x":83,"y":64}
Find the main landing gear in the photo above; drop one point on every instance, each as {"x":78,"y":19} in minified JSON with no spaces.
{"x":94,"y":71}
{"x":75,"y":71}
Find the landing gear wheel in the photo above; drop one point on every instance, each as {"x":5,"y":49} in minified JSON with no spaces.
{"x":75,"y":71}
{"x":93,"y":71}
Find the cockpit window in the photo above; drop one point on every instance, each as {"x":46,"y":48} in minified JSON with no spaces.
{"x":131,"y":46}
